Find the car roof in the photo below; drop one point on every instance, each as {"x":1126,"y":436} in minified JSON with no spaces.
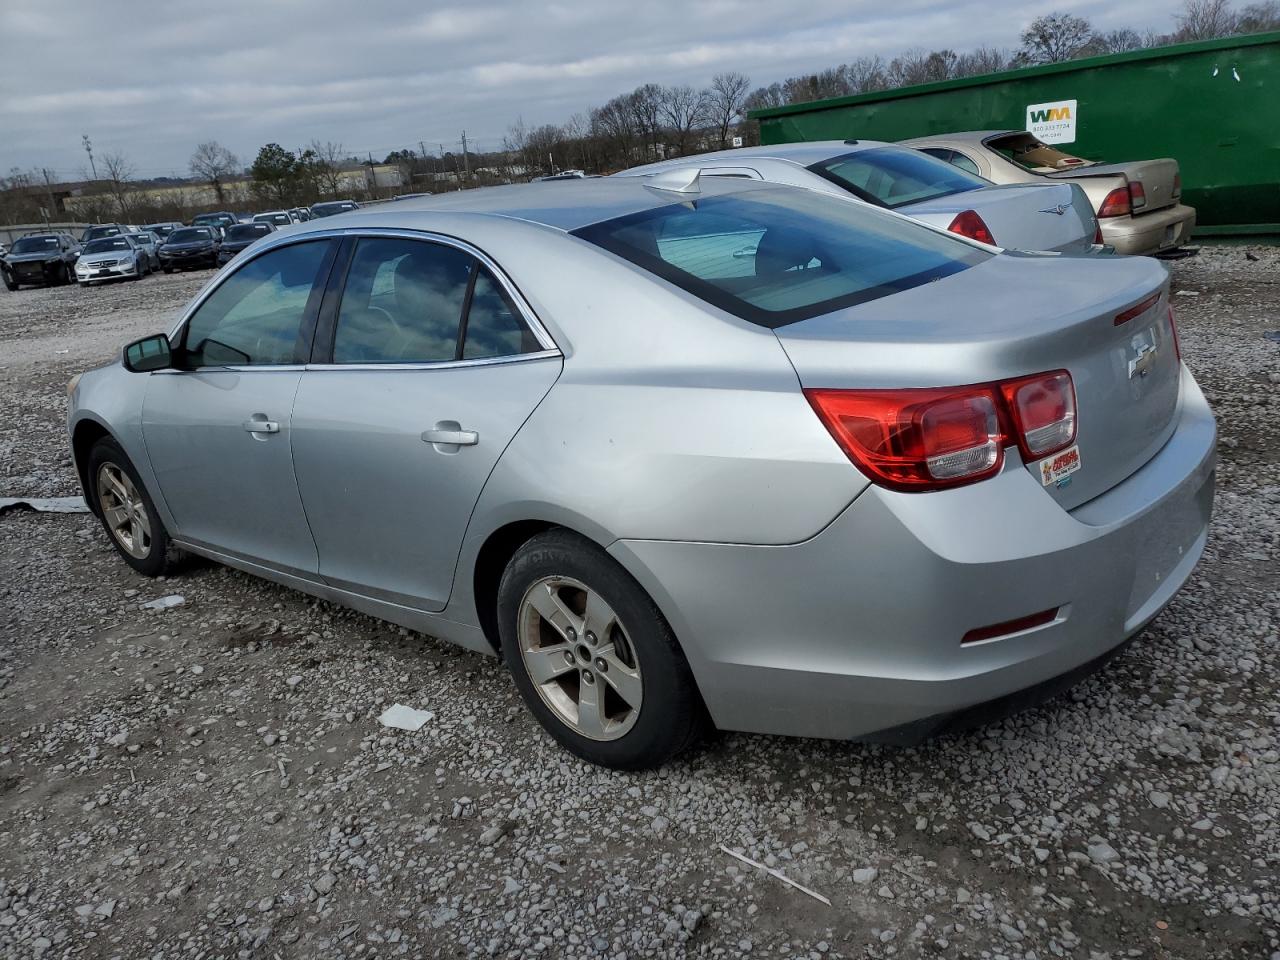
{"x":804,"y":153}
{"x":562,"y":204}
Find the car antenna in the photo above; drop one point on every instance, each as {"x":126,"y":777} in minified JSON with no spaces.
{"x":852,"y":143}
{"x":679,"y":180}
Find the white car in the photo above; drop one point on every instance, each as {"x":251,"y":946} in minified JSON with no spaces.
{"x":112,"y":258}
{"x":1042,"y":217}
{"x":277,"y":218}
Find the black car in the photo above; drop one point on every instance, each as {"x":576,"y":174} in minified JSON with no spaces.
{"x":40,"y":258}
{"x":221,"y":220}
{"x":164,"y":228}
{"x":240,"y":236}
{"x":333,"y":207}
{"x":190,"y":247}
{"x":104,"y":230}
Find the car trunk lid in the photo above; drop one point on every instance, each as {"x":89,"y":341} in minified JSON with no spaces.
{"x":1157,"y":178}
{"x":1025,"y":216}
{"x":1014,"y":316}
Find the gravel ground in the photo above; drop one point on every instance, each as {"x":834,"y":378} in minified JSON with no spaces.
{"x":211,"y":781}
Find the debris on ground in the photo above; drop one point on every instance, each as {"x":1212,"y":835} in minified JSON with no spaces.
{"x":399,"y":717}
{"x":44,"y":504}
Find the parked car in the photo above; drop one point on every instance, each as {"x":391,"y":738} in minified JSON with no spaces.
{"x":1137,"y":203}
{"x":150,"y":245}
{"x":240,"y":236}
{"x":277,"y":218}
{"x":301,"y":214}
{"x":120,"y":257}
{"x":105,"y":230}
{"x":220,"y":220}
{"x":39,"y":258}
{"x":1047,"y":216}
{"x":164,"y":228}
{"x":191,"y":247}
{"x":330,"y":208}
{"x":857,"y":480}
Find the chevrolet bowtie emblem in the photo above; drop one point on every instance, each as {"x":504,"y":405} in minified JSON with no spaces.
{"x":1141,"y":365}
{"x":1060,"y":209}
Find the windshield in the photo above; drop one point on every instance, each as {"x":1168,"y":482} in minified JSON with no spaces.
{"x":1028,"y":152}
{"x":896,"y":176}
{"x":329,"y":209}
{"x":248,"y":231}
{"x":773,"y":257}
{"x":101,"y":232}
{"x":105,"y":244}
{"x":34,"y":244}
{"x":190,"y":235}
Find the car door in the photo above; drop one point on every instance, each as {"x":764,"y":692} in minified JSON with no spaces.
{"x":428,"y":364}
{"x":217,"y":430}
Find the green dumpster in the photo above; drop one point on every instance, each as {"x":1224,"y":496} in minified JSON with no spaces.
{"x":1213,"y":105}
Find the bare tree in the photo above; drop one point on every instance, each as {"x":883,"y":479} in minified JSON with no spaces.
{"x":982,"y":60}
{"x":1113,"y":41}
{"x":214,"y":163}
{"x":866,"y":75}
{"x":1054,"y":37}
{"x":1259,"y":17}
{"x":765,"y":98}
{"x":921,"y":66}
{"x":725,"y":102}
{"x":326,"y":166}
{"x":1206,"y":19}
{"x":645,"y":105}
{"x":118,"y":171}
{"x":683,"y":111}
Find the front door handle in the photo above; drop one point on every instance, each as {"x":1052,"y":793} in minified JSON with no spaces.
{"x":455,"y":436}
{"x":261,"y":426}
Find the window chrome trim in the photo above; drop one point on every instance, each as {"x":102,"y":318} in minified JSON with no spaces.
{"x":435,"y":364}
{"x":238,"y":368}
{"x":271,"y":242}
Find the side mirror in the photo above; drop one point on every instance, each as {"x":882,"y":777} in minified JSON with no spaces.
{"x":147,"y":354}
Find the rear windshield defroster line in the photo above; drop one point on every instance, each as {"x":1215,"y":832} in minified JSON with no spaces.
{"x":775,"y":257}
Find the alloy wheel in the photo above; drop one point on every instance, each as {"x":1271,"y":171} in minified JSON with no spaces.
{"x":579,"y":657}
{"x":124,"y":511}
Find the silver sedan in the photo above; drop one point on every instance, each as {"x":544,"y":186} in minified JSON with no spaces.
{"x":850,"y":483}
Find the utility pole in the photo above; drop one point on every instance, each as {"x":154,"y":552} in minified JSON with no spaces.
{"x":48,"y":185}
{"x":373,"y":177}
{"x":88,"y":148}
{"x":466,"y":159}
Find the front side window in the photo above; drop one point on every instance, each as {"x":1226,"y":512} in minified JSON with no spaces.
{"x":402,"y":302}
{"x":896,"y":176}
{"x":256,"y":315}
{"x":775,"y":256}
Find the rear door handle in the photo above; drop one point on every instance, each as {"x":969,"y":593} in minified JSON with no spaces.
{"x":261,"y":426}
{"x":461,"y":438}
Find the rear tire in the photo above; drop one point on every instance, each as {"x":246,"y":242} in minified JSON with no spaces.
{"x":612,"y":685}
{"x":126,"y":510}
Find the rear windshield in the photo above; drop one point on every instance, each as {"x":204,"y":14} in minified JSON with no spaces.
{"x":1028,"y":152}
{"x":34,"y":244}
{"x":248,"y":231}
{"x":896,"y":176}
{"x":105,"y":244}
{"x":190,"y":235}
{"x":773,"y":257}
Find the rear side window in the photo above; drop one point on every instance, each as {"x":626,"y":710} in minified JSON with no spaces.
{"x":896,"y":176}
{"x":776,"y":256}
{"x":413,"y":301}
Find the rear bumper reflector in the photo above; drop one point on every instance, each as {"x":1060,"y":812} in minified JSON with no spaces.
{"x":1011,"y":626}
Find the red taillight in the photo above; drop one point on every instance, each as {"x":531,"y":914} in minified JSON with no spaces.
{"x":1097,"y":232}
{"x":1137,"y":311}
{"x":916,"y":439}
{"x":1177,"y":185}
{"x":1137,"y":195}
{"x":1177,"y":344}
{"x":1116,"y":204}
{"x":1044,"y":412}
{"x":968,"y":224}
{"x":930,"y":439}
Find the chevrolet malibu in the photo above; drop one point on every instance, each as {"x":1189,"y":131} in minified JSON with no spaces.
{"x":851,"y":484}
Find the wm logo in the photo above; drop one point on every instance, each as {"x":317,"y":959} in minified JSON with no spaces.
{"x":1050,"y":115}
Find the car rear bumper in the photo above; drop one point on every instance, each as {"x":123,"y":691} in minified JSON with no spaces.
{"x":858,"y":630}
{"x":1150,"y":232}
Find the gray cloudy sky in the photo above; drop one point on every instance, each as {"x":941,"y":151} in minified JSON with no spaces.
{"x":152,"y":79}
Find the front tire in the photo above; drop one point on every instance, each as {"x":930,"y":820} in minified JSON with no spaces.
{"x":126,"y":510}
{"x":593,"y":657}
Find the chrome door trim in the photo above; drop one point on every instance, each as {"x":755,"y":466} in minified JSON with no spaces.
{"x":522,"y":305}
{"x":433,"y":365}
